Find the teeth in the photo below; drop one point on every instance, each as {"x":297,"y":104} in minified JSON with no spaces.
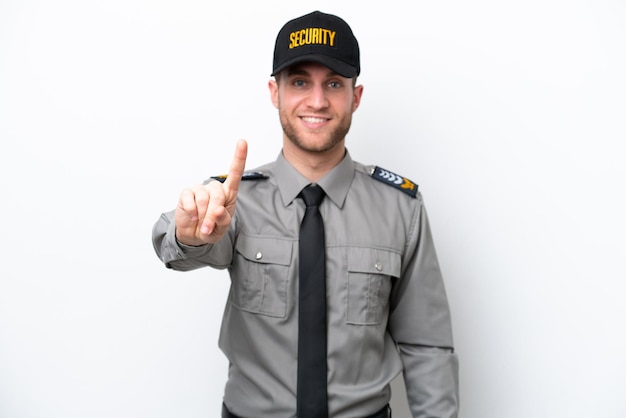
{"x":313,"y":120}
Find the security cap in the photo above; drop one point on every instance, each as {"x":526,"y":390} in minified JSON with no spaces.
{"x":318,"y":37}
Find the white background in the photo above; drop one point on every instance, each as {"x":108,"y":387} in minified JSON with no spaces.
{"x":510,"y":115}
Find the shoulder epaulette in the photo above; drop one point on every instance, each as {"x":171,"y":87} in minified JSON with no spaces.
{"x":394,"y":180}
{"x":248,"y":175}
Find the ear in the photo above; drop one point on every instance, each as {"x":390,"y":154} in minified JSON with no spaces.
{"x":273,"y":86}
{"x":356,"y":97}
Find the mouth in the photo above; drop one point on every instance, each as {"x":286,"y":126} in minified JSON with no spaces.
{"x":314,"y":121}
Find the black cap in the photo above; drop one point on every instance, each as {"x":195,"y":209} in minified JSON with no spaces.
{"x":321,"y":38}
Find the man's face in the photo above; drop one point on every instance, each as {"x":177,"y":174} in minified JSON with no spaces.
{"x":315,"y":106}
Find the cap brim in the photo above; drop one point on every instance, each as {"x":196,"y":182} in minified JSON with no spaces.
{"x":340,"y":67}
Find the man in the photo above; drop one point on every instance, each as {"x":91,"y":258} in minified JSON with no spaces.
{"x":383,"y":308}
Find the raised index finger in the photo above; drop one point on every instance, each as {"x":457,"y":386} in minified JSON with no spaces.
{"x":237,"y":167}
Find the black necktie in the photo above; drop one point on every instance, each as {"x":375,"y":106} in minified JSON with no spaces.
{"x":312,"y":390}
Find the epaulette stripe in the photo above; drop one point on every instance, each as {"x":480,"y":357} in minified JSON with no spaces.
{"x":248,"y":175}
{"x":395,"y":180}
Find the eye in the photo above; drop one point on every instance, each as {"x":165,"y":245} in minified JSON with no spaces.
{"x":299,"y":83}
{"x":334,"y":84}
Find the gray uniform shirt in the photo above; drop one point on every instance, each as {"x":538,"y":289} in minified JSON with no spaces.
{"x":387,"y":308}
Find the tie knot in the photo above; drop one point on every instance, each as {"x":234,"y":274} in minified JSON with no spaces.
{"x":312,"y":195}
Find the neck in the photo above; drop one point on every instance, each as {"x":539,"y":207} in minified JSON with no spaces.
{"x":313,"y":165}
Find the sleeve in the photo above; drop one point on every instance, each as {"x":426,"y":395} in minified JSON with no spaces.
{"x":182,"y":257}
{"x":420,"y":323}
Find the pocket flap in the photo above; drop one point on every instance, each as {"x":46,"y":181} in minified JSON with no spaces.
{"x":374,"y":261}
{"x":267,"y":250}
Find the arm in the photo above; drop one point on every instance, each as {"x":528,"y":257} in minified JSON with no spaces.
{"x":178,"y":256}
{"x":420,"y":323}
{"x":182,"y":238}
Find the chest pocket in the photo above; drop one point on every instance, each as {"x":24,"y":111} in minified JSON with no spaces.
{"x":370,"y":271}
{"x":260,"y":275}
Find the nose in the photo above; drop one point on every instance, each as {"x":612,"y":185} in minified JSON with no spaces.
{"x":317,"y":97}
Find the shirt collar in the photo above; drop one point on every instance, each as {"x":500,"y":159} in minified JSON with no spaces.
{"x":335,"y":184}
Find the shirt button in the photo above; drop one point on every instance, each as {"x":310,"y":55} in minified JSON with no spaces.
{"x":378,"y":266}
{"x":258,"y":255}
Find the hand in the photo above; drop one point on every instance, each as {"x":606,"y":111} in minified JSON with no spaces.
{"x":204,"y":212}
